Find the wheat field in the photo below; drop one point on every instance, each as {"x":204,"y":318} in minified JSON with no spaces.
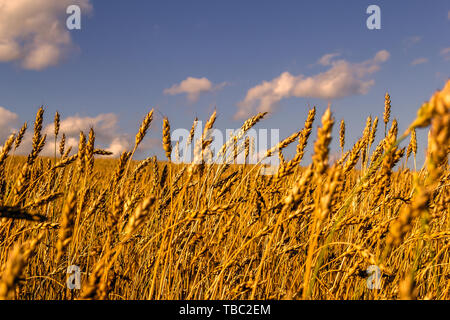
{"x":154,"y":229}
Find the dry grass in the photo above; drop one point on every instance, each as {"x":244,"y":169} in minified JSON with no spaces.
{"x":158,"y":230}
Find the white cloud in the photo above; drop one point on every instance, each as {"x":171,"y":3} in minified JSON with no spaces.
{"x":105,"y":124}
{"x":340,"y":80}
{"x":419,"y":61}
{"x":410,"y":41}
{"x":8,"y":122}
{"x":445,"y":53}
{"x":193,"y":87}
{"x":119,"y":145}
{"x":326,"y":59}
{"x":34,"y":33}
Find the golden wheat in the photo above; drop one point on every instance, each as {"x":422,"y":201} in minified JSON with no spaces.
{"x":163,"y":230}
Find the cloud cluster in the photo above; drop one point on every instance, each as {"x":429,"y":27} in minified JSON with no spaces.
{"x":193,"y":87}
{"x":34,"y":33}
{"x":342,"y":79}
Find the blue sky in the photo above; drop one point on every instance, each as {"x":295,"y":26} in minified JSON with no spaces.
{"x":128,"y":53}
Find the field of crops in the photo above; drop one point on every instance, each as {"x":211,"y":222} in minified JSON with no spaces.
{"x":155,"y":229}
